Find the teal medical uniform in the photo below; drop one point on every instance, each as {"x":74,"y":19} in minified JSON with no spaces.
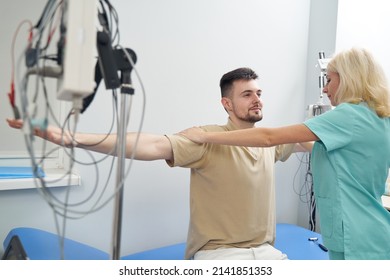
{"x":350,"y":166}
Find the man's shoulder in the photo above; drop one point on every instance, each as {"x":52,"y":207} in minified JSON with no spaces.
{"x":214,"y":127}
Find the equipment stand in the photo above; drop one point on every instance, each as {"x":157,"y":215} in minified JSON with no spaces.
{"x":122,"y":64}
{"x":121,"y":152}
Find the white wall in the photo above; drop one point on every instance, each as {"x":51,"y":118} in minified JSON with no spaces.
{"x":365,"y":23}
{"x":183,"y":48}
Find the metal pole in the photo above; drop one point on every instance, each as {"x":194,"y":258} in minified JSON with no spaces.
{"x":121,"y":152}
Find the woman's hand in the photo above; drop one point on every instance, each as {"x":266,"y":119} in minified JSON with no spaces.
{"x":52,"y":134}
{"x":195,"y":134}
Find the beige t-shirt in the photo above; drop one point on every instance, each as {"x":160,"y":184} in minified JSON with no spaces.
{"x":232,"y":194}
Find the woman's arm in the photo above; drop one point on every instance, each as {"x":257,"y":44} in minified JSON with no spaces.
{"x":253,"y":137}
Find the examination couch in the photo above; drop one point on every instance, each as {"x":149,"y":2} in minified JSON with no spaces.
{"x":36,"y":244}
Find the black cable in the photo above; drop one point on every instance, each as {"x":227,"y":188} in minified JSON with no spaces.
{"x":312,"y":201}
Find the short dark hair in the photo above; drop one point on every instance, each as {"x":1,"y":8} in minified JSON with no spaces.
{"x":227,"y":79}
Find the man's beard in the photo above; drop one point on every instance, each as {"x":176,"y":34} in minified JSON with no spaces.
{"x":251,"y":118}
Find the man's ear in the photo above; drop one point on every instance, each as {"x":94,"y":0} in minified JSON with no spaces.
{"x":226,"y":103}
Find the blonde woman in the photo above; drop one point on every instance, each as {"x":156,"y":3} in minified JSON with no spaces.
{"x":350,"y":157}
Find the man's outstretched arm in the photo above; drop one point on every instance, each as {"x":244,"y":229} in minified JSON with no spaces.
{"x":149,"y":146}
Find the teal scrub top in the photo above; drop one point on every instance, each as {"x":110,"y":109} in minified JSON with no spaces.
{"x":350,"y":165}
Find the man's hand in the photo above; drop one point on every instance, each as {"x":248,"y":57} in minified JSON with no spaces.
{"x":52,"y":134}
{"x":18,"y":124}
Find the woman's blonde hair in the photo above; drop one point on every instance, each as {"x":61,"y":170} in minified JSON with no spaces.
{"x":362,"y":79}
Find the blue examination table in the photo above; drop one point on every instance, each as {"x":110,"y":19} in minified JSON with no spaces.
{"x":36,"y":244}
